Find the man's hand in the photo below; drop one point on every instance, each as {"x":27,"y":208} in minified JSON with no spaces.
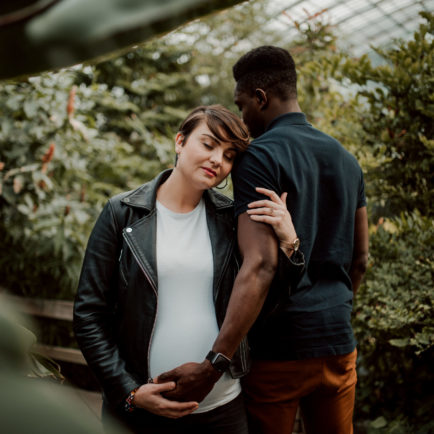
{"x":149,"y":397}
{"x":193,"y":381}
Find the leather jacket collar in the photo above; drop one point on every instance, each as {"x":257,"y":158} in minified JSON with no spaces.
{"x":142,"y":232}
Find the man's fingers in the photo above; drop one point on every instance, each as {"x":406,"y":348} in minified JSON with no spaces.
{"x":283,"y":197}
{"x":163,"y":387}
{"x":174,"y":395}
{"x":168,"y":376}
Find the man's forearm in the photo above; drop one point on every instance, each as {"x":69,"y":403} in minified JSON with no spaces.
{"x":361,"y":248}
{"x":248,"y":296}
{"x":358,"y":270}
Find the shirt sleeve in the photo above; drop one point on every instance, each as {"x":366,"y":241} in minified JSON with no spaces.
{"x":255,"y":169}
{"x":361,"y":200}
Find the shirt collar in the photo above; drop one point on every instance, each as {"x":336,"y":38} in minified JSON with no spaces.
{"x":293,"y":118}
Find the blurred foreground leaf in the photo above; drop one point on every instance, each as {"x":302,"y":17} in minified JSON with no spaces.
{"x":48,"y":34}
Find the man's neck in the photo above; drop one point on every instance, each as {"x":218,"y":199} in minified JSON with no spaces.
{"x":278,"y":108}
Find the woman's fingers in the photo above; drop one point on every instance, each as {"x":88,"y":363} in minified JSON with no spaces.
{"x":275,"y":202}
{"x":266,"y":211}
{"x":270,"y":193}
{"x":176,"y":406}
{"x":173,"y":409}
{"x":149,"y":396}
{"x":263,"y":203}
{"x":265,"y":219}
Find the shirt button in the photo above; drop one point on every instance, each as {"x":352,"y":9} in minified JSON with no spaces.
{"x":128,"y":230}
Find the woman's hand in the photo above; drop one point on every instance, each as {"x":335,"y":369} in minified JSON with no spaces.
{"x":149,"y":397}
{"x":275,"y":213}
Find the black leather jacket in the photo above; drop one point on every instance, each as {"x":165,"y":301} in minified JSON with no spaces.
{"x":116,"y":303}
{"x":117,"y":299}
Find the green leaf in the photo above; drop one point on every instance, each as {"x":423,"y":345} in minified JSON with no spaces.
{"x":378,"y":423}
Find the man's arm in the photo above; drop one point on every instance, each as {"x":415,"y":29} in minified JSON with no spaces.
{"x":361,"y":248}
{"x":259,"y":249}
{"x":258,"y":246}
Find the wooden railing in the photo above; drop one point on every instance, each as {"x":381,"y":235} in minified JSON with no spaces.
{"x":53,"y":309}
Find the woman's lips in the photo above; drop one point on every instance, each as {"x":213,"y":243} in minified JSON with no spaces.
{"x":209,"y":171}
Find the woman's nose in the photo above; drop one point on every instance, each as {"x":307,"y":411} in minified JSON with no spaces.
{"x":216,"y":157}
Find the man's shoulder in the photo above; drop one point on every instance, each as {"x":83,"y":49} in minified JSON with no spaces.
{"x":336,"y":147}
{"x":264,"y":147}
{"x":270,"y":136}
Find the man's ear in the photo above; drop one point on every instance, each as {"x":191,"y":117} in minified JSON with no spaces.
{"x":179,"y":142}
{"x":261,"y":98}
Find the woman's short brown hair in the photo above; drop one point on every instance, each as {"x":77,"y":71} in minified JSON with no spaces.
{"x":225,"y":125}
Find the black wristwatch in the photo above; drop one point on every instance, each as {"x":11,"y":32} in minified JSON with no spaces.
{"x":218,"y":361}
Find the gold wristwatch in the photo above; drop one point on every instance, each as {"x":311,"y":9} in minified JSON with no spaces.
{"x":294,"y":246}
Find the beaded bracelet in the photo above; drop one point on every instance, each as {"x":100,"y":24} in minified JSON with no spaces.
{"x":129,"y":404}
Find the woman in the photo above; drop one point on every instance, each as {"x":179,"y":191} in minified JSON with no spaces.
{"x":174,"y":237}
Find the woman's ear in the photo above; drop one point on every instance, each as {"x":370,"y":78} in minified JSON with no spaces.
{"x":179,"y":142}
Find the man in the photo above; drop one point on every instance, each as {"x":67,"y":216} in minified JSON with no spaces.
{"x":304,"y":350}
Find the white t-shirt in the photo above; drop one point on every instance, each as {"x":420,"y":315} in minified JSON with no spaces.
{"x":186,"y":325}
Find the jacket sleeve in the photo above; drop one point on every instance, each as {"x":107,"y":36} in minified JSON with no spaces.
{"x":95,"y":306}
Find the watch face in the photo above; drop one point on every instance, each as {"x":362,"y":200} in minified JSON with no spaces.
{"x":296,"y":244}
{"x":220,"y":363}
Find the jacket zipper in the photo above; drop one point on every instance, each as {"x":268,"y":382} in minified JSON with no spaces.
{"x":133,"y":250}
{"x":225,"y":265}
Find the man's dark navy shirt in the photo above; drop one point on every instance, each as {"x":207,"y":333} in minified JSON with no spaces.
{"x":325,"y":187}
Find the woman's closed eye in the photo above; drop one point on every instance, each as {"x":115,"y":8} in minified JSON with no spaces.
{"x":229,"y":157}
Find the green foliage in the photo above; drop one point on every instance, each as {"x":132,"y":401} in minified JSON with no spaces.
{"x":69,"y":141}
{"x":324,"y":97}
{"x":398,"y":124}
{"x":394,"y":308}
{"x":394,"y":322}
{"x":399,"y":285}
{"x":217,"y":42}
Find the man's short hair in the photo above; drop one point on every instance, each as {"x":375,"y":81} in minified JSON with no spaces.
{"x":269,"y":68}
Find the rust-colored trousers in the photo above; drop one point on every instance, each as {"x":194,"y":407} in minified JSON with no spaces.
{"x":324,"y":388}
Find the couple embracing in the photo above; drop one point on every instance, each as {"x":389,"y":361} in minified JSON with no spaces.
{"x":185,"y":297}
